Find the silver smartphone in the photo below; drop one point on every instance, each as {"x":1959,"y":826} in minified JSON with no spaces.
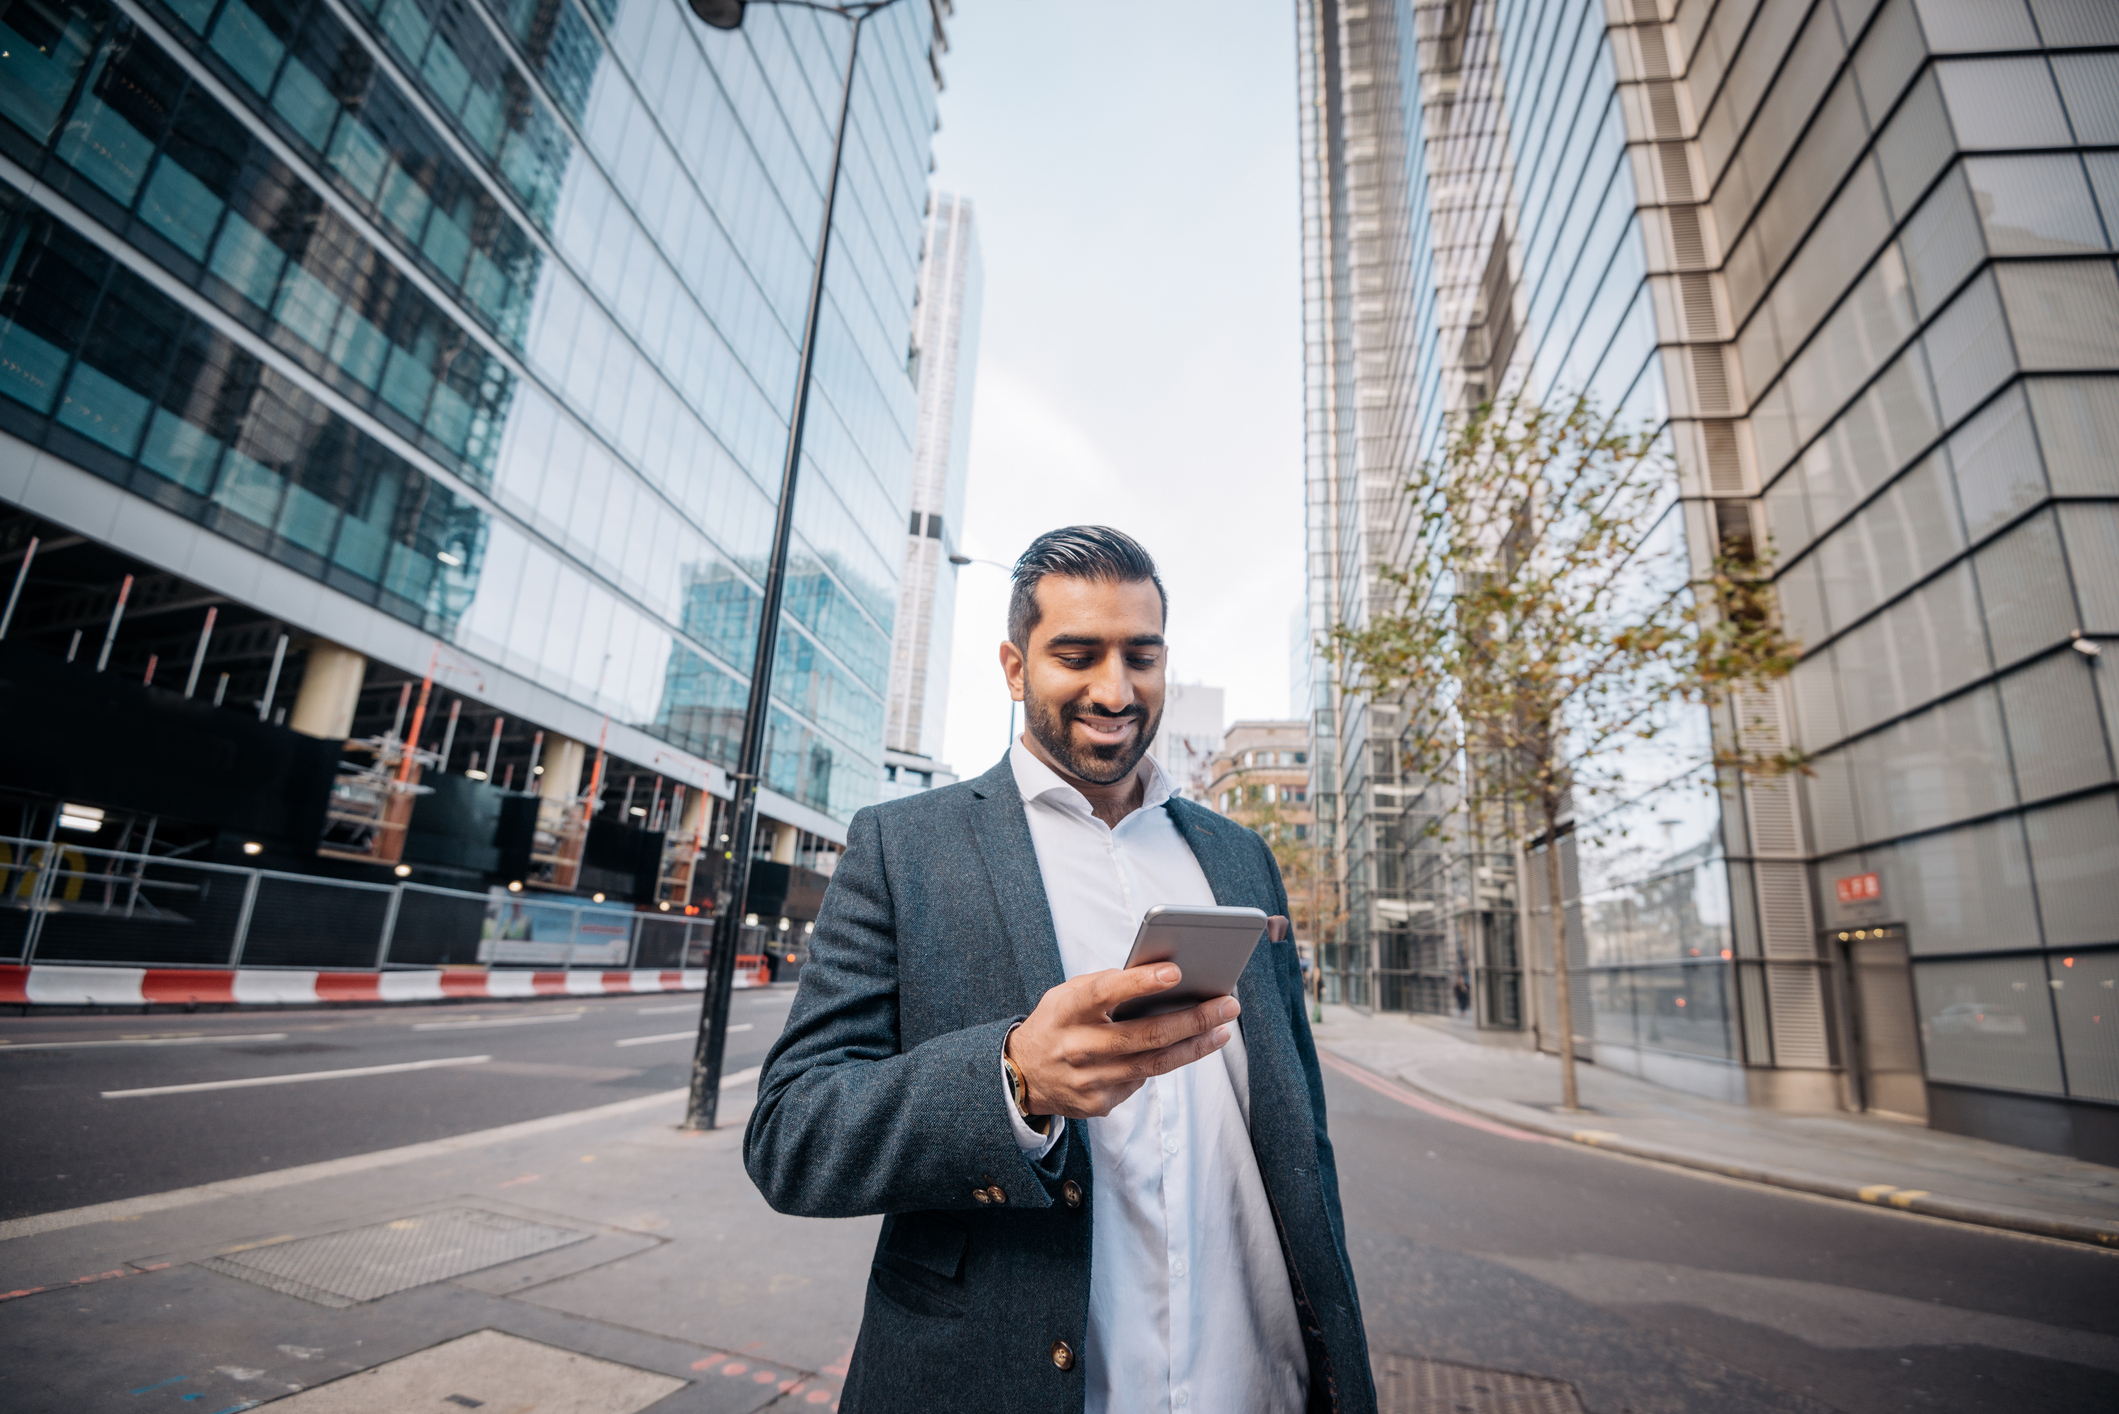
{"x":1209,"y":945}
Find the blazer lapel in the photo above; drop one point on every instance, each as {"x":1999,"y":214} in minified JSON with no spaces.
{"x":1003,"y":834}
{"x":1269,"y":1040}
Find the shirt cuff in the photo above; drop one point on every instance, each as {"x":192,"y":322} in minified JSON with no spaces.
{"x":1032,"y":1143}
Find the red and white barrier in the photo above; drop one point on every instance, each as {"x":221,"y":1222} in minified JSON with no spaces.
{"x":59,"y":985}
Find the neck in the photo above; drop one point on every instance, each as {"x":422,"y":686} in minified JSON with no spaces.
{"x":1109,"y":803}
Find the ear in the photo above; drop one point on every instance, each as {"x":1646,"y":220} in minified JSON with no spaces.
{"x":1012,"y":666}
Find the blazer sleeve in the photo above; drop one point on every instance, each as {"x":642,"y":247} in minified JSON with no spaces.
{"x":847,"y":1122}
{"x":1306,"y":1049}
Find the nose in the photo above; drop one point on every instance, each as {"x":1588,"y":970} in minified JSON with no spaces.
{"x":1109,"y":687}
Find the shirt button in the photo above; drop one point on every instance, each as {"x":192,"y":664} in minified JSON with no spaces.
{"x":1170,"y":1144}
{"x":1177,"y":1267}
{"x":1180,"y":1399}
{"x":1063,"y":1354}
{"x":982,"y":1195}
{"x":1072,"y":1192}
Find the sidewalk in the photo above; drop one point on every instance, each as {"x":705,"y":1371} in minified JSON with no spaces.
{"x":1849,"y":1156}
{"x":617,"y":1258}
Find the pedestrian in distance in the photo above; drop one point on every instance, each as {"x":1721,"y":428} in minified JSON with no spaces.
{"x":1079,"y":1214}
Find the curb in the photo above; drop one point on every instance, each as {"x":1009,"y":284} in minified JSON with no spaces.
{"x":2088,"y":1231}
{"x":39,"y":985}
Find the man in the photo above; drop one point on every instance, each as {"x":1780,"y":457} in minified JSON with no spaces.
{"x":1081,"y":1214}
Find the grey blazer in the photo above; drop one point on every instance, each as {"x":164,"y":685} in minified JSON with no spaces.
{"x":883,"y":1095}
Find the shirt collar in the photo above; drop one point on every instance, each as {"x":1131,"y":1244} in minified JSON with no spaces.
{"x":1034,"y":780}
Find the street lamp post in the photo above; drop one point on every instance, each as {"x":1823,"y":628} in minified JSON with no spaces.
{"x":701,"y":1111}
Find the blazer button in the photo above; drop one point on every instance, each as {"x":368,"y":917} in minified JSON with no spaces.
{"x":1063,"y":1354}
{"x":1072,"y":1192}
{"x":996,"y":1194}
{"x":982,"y":1195}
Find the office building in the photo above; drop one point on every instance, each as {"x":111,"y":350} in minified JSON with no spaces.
{"x":1263,"y":766}
{"x":1261,"y":777}
{"x":420,"y":372}
{"x":1369,"y":291}
{"x":1856,"y":258}
{"x":946,"y":353}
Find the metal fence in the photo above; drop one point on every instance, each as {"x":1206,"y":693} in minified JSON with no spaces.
{"x":66,"y":902}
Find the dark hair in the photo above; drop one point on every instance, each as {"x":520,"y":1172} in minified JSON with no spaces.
{"x":1077,"y":552}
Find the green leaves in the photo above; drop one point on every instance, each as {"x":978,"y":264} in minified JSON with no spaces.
{"x":1543,"y":613}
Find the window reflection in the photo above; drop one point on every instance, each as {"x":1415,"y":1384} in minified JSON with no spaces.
{"x":156,"y":399}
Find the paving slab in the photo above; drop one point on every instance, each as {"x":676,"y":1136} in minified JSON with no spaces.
{"x":1861,"y":1158}
{"x":614,"y":1237}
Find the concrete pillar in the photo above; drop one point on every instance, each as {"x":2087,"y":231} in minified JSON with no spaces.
{"x":784,"y":839}
{"x":331,"y":689}
{"x":562,"y":762}
{"x":695,"y":798}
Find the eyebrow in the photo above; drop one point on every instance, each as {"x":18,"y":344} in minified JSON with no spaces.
{"x":1090,"y":640}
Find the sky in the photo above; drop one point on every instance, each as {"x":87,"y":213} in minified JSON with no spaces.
{"x":1134,"y":169}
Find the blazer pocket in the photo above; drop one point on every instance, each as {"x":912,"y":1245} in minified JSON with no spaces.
{"x":920,"y":1265}
{"x":912,"y":1294}
{"x":927,"y":1240}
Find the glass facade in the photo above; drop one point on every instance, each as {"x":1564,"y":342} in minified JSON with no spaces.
{"x":1856,"y":258}
{"x":1369,"y":298}
{"x":487,"y":315}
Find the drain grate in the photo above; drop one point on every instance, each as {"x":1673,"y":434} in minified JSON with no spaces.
{"x":364,"y":1263}
{"x":1406,"y":1384}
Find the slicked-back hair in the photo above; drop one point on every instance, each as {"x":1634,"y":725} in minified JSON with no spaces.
{"x":1094,"y":552}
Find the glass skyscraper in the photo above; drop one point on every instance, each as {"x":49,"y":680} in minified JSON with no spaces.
{"x":464,"y":333}
{"x":1855,"y":257}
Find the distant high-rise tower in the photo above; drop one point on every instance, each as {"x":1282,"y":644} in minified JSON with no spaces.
{"x":946,"y":337}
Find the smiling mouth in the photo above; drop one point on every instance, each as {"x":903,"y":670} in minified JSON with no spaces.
{"x":1105,"y":730}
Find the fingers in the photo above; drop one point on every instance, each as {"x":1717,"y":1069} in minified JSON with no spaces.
{"x":1101,"y":991}
{"x":1152,"y":1033}
{"x":1169,"y":1058}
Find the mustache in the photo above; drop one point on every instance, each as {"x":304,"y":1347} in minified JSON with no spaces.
{"x":1073,"y":710}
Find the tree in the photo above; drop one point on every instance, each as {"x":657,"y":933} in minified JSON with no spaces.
{"x":1314,"y":912}
{"x":1548,"y":620}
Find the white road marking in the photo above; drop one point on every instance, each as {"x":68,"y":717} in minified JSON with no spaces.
{"x":6,"y":1046}
{"x":294,"y":1079}
{"x":494,"y":1021}
{"x":652,"y":1040}
{"x":128,"y":1208}
{"x":667,"y":1010}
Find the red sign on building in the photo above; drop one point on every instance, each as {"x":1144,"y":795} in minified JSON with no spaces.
{"x":1860,"y":888}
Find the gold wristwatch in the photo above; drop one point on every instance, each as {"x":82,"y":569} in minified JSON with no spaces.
{"x":1039,"y":1124}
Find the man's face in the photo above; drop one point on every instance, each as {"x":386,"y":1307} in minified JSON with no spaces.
{"x":1091,"y":677}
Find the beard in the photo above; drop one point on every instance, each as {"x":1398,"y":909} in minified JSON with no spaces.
{"x":1098,"y":765}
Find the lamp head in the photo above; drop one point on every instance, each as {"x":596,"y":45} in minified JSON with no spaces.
{"x":960,"y":559}
{"x":721,"y":14}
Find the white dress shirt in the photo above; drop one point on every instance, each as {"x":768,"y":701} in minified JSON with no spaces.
{"x":1189,"y":1302}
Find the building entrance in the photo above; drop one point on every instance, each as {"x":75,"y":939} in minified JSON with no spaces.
{"x":1885,"y":1028}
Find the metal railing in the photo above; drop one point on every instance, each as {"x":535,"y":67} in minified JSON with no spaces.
{"x":74,"y":903}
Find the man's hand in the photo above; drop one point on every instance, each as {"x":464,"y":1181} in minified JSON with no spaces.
{"x":1080,"y":1063}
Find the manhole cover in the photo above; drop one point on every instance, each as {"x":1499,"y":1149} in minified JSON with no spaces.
{"x":347,"y":1268}
{"x":1406,"y":1384}
{"x":487,"y":1370}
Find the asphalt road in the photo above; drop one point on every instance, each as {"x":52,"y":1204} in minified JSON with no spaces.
{"x":1652,"y":1288}
{"x":71,"y":1141}
{"x":1648,"y":1289}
